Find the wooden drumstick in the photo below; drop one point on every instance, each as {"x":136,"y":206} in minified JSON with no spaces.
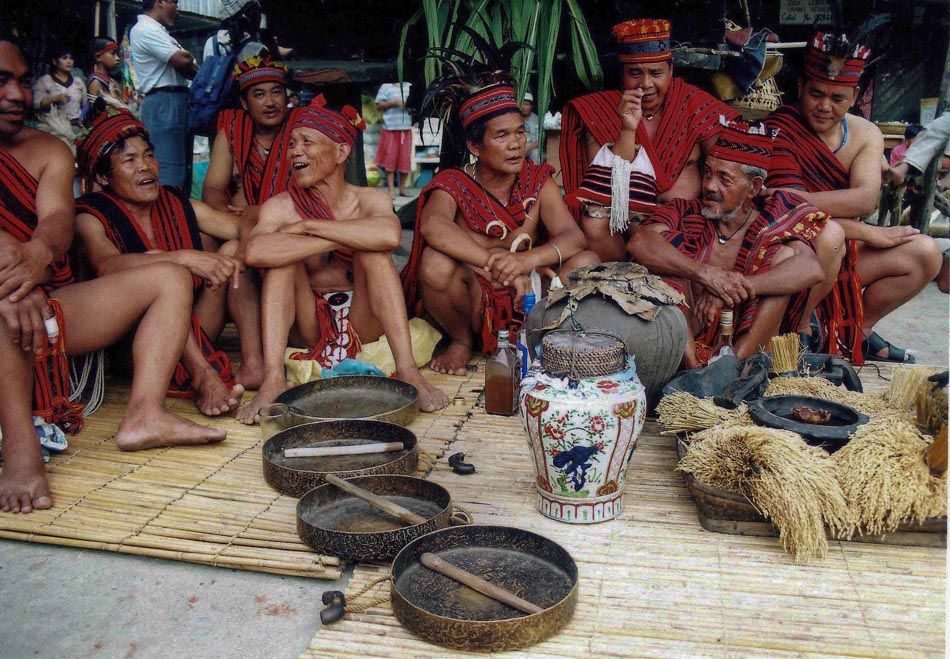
{"x":404,"y":515}
{"x":350,"y":449}
{"x":474,"y":582}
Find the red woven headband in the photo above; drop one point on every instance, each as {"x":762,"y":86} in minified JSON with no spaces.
{"x":108,"y":129}
{"x":643,"y":40}
{"x":748,"y":143}
{"x":257,"y":70}
{"x":831,"y":58}
{"x":341,"y":127}
{"x":488,"y":103}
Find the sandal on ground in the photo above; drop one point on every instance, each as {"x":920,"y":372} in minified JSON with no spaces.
{"x":874,"y":344}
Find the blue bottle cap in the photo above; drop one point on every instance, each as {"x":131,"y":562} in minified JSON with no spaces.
{"x":529,"y":301}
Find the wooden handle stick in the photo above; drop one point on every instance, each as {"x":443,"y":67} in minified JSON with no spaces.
{"x":497,"y":593}
{"x":349,"y":449}
{"x":404,"y":515}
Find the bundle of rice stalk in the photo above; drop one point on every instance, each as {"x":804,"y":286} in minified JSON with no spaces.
{"x":870,"y":404}
{"x":931,"y":406}
{"x":786,"y":353}
{"x":683,"y":412}
{"x":788,"y":481}
{"x":885,"y":479}
{"x":902,"y":393}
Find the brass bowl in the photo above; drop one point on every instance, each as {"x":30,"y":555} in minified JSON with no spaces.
{"x":352,"y":397}
{"x":442,"y":611}
{"x":338,"y":524}
{"x":297,"y":476}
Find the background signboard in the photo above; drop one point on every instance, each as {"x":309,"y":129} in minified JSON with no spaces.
{"x":805,"y":12}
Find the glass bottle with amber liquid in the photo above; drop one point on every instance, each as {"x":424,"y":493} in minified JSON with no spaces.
{"x":501,"y":378}
{"x":726,"y":331}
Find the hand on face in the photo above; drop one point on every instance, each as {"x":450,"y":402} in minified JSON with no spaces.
{"x":630,"y":109}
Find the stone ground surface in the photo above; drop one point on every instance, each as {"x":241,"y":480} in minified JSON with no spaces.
{"x":64,"y":602}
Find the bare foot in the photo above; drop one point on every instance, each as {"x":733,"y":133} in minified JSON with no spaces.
{"x":23,"y":486}
{"x":431,"y":398}
{"x":453,"y":360}
{"x":214,"y":399}
{"x":267,"y":395}
{"x":250,"y":375}
{"x":153,"y":430}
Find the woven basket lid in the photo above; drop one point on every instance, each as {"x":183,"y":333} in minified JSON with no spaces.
{"x":579,"y":355}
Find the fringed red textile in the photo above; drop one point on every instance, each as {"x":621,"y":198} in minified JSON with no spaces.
{"x":51,"y":382}
{"x":786,"y":217}
{"x":690,"y":115}
{"x":801,"y":160}
{"x":51,"y":368}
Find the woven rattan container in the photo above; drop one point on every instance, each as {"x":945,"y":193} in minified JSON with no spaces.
{"x":580,"y":355}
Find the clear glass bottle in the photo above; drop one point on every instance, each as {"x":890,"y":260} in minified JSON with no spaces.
{"x":501,"y":378}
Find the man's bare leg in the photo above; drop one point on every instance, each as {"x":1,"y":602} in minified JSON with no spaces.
{"x":600,"y":241}
{"x":244,"y":307}
{"x":280,"y":300}
{"x":99,"y":312}
{"x":378,"y":308}
{"x":829,"y":249}
{"x":767,"y":322}
{"x":23,"y":486}
{"x":453,"y":296}
{"x":894,"y":275}
{"x":214,"y":397}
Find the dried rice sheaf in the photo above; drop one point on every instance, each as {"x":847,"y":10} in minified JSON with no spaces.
{"x":788,"y":481}
{"x":684,"y":412}
{"x":902,"y":392}
{"x":870,"y":404}
{"x":885,"y":479}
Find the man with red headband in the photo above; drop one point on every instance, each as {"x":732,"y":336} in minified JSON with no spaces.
{"x":668,"y":119}
{"x":322,"y":236}
{"x":833,"y":159}
{"x":47,"y":318}
{"x":732,"y":252}
{"x":249,"y":162}
{"x":134,"y":222}
{"x":465,"y":270}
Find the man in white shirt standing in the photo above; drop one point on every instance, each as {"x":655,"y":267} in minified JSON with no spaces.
{"x":163,"y":68}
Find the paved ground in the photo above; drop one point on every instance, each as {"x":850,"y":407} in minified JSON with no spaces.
{"x":63,"y":602}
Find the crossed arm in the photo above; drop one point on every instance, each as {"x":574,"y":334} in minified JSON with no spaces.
{"x":281,"y":238}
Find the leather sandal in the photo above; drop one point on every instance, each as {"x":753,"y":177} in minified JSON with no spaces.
{"x":874,"y":344}
{"x":811,"y":342}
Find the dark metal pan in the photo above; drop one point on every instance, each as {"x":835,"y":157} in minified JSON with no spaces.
{"x":443,"y":611}
{"x":339,"y":524}
{"x":297,"y":476}
{"x":352,"y":397}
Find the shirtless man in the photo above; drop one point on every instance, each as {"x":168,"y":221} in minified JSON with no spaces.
{"x":833,"y":160}
{"x":249,"y":162}
{"x":326,"y":235}
{"x":134,"y":221}
{"x":734,"y":252}
{"x":675,"y":122}
{"x":462,"y":269}
{"x":36,"y":229}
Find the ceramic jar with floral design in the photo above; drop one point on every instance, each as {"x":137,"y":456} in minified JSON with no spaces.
{"x":582,"y":434}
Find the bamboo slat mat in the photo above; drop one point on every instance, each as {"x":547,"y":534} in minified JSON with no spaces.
{"x":653,"y":582}
{"x":201,"y":504}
